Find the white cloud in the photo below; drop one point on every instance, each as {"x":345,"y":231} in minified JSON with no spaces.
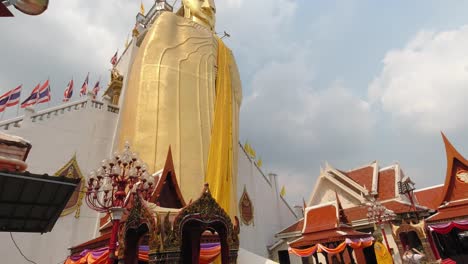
{"x":293,"y":125}
{"x":424,"y":85}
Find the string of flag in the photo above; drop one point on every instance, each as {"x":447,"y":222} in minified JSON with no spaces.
{"x":41,"y":93}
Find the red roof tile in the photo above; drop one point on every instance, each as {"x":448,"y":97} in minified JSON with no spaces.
{"x":360,"y":212}
{"x":430,"y":197}
{"x":356,"y":213}
{"x":450,"y":212}
{"x":362,"y":176}
{"x":320,"y":218}
{"x":296,"y":227}
{"x":386,"y":184}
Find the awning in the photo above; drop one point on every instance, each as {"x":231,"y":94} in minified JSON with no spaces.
{"x":31,"y":202}
{"x":4,"y":12}
{"x":333,"y":235}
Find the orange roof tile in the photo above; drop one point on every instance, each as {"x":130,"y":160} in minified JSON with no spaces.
{"x":320,"y":218}
{"x":386,"y":184}
{"x":362,"y":176}
{"x":296,"y":227}
{"x":327,"y":236}
{"x":429,"y":197}
{"x":452,"y":211}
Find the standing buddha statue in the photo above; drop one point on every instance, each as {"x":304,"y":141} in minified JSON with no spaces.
{"x":184,"y":91}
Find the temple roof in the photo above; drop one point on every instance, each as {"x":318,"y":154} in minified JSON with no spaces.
{"x":338,"y":234}
{"x":375,"y":180}
{"x":167,"y":192}
{"x":429,"y":197}
{"x":323,"y":223}
{"x":321,"y":217}
{"x":453,"y":201}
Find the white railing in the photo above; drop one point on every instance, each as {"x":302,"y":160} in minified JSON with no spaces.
{"x":59,"y":110}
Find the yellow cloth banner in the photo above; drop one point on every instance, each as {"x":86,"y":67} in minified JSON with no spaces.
{"x":220,"y":157}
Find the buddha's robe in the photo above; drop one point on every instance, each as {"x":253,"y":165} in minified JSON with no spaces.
{"x":170,"y":100}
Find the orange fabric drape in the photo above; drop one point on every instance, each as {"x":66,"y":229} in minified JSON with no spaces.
{"x":361,"y":244}
{"x":89,"y":259}
{"x":209,"y":255}
{"x":303,"y":252}
{"x":336,"y":250}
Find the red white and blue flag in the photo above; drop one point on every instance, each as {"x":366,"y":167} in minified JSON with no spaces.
{"x":15,"y":95}
{"x":68,"y":92}
{"x":32,"y":98}
{"x":10,"y":98}
{"x":84,"y":87}
{"x":114,"y":58}
{"x":4,"y":100}
{"x":44,"y":93}
{"x":96,"y":89}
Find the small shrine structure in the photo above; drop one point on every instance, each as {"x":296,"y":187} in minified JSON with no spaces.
{"x":448,"y":228}
{"x":165,"y":229}
{"x":326,"y":230}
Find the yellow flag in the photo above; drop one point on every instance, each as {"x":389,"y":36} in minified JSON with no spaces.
{"x":142,"y":8}
{"x":248,"y":149}
{"x":283,"y":191}
{"x":252,"y":152}
{"x":259,"y":162}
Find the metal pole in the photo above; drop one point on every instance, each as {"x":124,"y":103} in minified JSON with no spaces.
{"x":113,"y":240}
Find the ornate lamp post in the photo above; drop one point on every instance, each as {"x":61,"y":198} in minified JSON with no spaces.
{"x":109,"y":186}
{"x":379,"y":215}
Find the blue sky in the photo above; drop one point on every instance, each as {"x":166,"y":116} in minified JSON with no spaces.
{"x":346,"y":82}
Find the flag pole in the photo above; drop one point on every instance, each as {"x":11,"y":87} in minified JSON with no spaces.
{"x":50,"y":97}
{"x":19,"y":102}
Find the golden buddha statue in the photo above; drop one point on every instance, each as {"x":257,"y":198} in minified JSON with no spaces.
{"x":184,"y":91}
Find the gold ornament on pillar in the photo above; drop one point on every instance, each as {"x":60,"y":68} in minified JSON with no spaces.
{"x":184,"y":91}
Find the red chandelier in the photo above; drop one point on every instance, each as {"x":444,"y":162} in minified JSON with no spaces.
{"x":110,"y":185}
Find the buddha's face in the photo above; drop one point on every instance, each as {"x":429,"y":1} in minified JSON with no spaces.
{"x":202,"y":11}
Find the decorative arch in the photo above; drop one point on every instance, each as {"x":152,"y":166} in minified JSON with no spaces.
{"x":139,"y":221}
{"x":419,"y":229}
{"x":184,"y":233}
{"x":72,"y":170}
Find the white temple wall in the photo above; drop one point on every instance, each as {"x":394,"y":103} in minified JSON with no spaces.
{"x":293,"y":259}
{"x":325,"y":193}
{"x":271,"y":212}
{"x":55,"y":139}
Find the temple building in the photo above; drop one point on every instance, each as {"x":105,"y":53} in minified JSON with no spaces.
{"x":448,"y":227}
{"x":71,"y":139}
{"x":357,"y":190}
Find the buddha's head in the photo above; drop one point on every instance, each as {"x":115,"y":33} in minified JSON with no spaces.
{"x":201,"y":11}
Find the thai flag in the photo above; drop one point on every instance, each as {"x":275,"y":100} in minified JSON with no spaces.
{"x":68,"y":92}
{"x":84,"y":87}
{"x":32,"y":99}
{"x":15,"y":95}
{"x":113,"y":60}
{"x":44,"y":93}
{"x":4,"y":100}
{"x":96,"y":89}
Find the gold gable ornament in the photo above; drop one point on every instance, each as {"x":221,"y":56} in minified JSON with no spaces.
{"x":72,"y":170}
{"x":246,"y":208}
